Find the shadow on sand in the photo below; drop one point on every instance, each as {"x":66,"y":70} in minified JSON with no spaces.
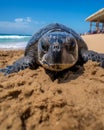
{"x":66,"y":75}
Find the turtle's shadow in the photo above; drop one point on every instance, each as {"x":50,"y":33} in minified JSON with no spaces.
{"x":66,"y":75}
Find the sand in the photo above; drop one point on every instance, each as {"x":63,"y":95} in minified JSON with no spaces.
{"x":95,"y":42}
{"x":29,"y":100}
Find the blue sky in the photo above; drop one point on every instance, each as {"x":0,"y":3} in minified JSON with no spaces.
{"x":27,"y":16}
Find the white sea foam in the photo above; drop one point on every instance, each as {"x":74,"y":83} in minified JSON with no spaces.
{"x":12,"y":37}
{"x":13,"y":41}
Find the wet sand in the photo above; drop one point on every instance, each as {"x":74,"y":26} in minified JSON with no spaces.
{"x":29,"y":100}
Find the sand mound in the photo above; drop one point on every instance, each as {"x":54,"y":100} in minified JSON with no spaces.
{"x":29,"y":100}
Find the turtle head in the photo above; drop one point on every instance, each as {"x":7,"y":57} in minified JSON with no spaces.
{"x":57,"y":51}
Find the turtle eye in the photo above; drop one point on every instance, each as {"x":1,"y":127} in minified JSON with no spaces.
{"x":70,"y":46}
{"x":44,"y":46}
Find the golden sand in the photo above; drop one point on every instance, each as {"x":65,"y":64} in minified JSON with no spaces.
{"x":95,"y":42}
{"x":29,"y":100}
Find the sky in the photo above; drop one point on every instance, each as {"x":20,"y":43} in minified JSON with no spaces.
{"x":28,"y":16}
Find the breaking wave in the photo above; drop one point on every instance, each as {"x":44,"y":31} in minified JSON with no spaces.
{"x":13,"y":41}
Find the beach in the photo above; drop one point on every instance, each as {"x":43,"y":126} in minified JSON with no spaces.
{"x":30,"y":100}
{"x":95,"y":42}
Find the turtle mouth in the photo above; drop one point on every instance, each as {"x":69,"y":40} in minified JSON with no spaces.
{"x":56,"y":67}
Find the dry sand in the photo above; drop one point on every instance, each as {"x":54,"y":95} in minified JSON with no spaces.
{"x":29,"y":100}
{"x":95,"y":42}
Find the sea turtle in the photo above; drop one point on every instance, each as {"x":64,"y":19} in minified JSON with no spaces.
{"x":56,"y":48}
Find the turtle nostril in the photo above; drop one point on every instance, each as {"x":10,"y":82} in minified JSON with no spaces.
{"x":56,"y":47}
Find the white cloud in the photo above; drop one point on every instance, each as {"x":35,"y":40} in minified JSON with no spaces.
{"x":27,"y":19}
{"x":18,"y":20}
{"x":20,"y":25}
{"x":14,"y":27}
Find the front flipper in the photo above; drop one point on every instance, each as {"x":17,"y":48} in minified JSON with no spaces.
{"x":21,"y":64}
{"x":94,"y":56}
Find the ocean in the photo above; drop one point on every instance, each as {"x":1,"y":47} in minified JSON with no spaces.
{"x":11,"y":41}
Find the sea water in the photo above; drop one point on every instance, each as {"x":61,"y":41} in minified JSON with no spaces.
{"x":11,"y":41}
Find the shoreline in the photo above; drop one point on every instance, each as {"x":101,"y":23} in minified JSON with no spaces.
{"x":94,"y":42}
{"x":9,"y":49}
